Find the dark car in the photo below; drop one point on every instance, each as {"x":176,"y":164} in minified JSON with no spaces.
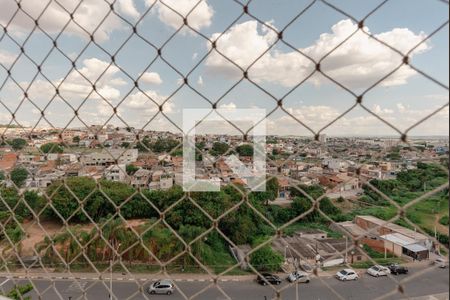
{"x":397,"y":269}
{"x":268,"y":278}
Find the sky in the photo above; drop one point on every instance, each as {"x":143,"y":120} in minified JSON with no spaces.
{"x":277,"y":70}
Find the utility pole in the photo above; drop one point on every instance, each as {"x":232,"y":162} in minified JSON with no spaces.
{"x":111,"y":273}
{"x":111,"y":261}
{"x":346,"y":249}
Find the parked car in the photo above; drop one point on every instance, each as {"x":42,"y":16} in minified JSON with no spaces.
{"x":347,"y":274}
{"x":162,"y":287}
{"x":396,"y":269}
{"x":269,"y":278}
{"x":298,"y":276}
{"x":306,"y":267}
{"x":441,"y":262}
{"x":378,"y":271}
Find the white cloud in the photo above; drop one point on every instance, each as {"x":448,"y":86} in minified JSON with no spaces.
{"x":7,"y":58}
{"x":200,"y":81}
{"x":147,"y":103}
{"x":151,"y":78}
{"x":75,"y":87}
{"x":200,"y":17}
{"x":358,"y":63}
{"x":128,"y":8}
{"x":229,"y":106}
{"x":440,"y":97}
{"x":313,"y":116}
{"x":401,"y":107}
{"x":89,"y":15}
{"x":378,"y":110}
{"x":359,"y":122}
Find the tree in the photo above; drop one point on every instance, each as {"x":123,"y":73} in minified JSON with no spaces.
{"x":164,"y":145}
{"x":245,"y":150}
{"x":265,"y":259}
{"x":219,"y":148}
{"x":125,"y":145}
{"x":76,"y":139}
{"x":18,"y":144}
{"x":301,"y":205}
{"x":270,"y":194}
{"x":2,"y":176}
{"x":52,"y":148}
{"x":131,"y":169}
{"x":18,"y":176}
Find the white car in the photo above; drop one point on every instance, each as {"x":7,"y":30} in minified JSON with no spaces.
{"x":377,"y":271}
{"x":298,"y":276}
{"x":347,"y":274}
{"x":162,"y":287}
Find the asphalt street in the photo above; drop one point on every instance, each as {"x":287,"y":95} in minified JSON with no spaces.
{"x":367,"y":287}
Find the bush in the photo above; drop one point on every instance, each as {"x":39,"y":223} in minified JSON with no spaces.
{"x":131,"y":169}
{"x":18,"y":292}
{"x":245,"y":150}
{"x":18,"y":176}
{"x":17,"y":144}
{"x":52,"y":148}
{"x":219,"y":148}
{"x":444,"y":220}
{"x":265,"y":259}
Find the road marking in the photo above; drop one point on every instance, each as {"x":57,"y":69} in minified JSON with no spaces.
{"x":77,"y":287}
{"x":1,"y":284}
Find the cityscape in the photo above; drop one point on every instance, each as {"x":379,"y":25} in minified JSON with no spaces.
{"x":209,"y":149}
{"x":140,"y":180}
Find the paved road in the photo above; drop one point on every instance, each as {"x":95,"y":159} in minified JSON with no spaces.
{"x":434,"y":282}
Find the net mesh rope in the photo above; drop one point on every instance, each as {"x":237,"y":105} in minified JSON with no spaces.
{"x":247,"y":11}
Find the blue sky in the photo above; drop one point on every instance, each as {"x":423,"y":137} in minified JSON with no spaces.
{"x":403,"y":99}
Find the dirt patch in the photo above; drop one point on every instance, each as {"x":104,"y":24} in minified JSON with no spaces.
{"x":439,"y":227}
{"x":35,"y":234}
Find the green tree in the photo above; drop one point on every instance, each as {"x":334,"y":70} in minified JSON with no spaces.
{"x":17,"y":144}
{"x":131,"y":169}
{"x":301,"y":205}
{"x":265,"y":259}
{"x":2,"y":176}
{"x":245,"y":150}
{"x":52,"y":148}
{"x":76,"y":139}
{"x":125,"y":145}
{"x":83,"y":189}
{"x":164,"y":145}
{"x":18,"y":176}
{"x":219,"y":148}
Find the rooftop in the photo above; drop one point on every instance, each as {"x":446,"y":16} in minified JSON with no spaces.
{"x":396,"y":228}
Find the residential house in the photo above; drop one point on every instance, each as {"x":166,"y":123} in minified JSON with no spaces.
{"x":116,"y":173}
{"x":110,"y":157}
{"x":141,"y":178}
{"x":8,"y":161}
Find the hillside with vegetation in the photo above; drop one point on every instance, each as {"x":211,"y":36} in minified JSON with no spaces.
{"x":172,"y":221}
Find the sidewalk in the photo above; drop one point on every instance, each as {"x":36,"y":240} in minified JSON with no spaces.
{"x":443,"y":296}
{"x":189,"y":277}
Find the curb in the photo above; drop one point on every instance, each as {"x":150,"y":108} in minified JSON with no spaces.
{"x":121,"y":278}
